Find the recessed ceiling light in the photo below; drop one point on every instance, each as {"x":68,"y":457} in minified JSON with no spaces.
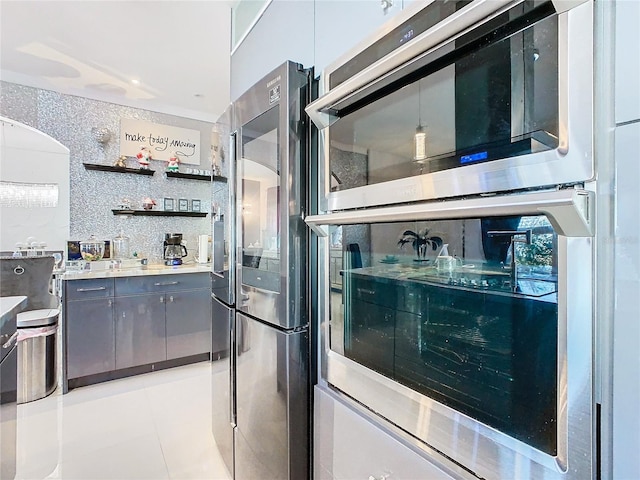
{"x":198,"y":95}
{"x":135,"y":81}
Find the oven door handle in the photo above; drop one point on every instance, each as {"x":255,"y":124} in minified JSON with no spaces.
{"x":321,"y":111}
{"x":569,"y":211}
{"x":324,"y":110}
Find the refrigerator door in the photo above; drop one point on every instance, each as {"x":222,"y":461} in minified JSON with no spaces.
{"x":272,"y":438}
{"x":223,"y":419}
{"x":271,"y":167}
{"x":223,"y":201}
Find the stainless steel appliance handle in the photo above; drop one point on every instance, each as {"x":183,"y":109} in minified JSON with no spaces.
{"x":468,"y":16}
{"x":163,"y":284}
{"x":93,"y":289}
{"x":450,"y":28}
{"x":12,"y":340}
{"x":569,"y":211}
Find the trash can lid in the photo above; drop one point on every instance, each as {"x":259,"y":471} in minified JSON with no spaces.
{"x":38,"y":318}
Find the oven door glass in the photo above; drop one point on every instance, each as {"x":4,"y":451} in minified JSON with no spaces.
{"x":260,"y":202}
{"x":488,"y":95}
{"x":462,"y":311}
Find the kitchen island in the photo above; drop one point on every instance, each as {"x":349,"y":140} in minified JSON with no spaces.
{"x":123,"y":322}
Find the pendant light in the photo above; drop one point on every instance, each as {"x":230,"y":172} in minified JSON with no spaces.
{"x":420,"y":137}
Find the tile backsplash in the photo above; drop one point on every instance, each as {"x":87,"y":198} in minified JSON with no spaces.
{"x":70,"y":120}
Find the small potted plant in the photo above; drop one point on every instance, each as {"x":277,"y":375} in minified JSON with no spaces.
{"x":421,"y":243}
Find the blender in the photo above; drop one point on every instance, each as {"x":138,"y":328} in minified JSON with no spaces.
{"x":174,"y":251}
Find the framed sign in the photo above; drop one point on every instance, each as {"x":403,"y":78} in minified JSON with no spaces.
{"x":183,"y":205}
{"x":161,"y":140}
{"x":195,"y":205}
{"x":168,"y":205}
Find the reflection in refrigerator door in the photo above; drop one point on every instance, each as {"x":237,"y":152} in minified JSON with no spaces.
{"x":272,"y":402}
{"x":271,"y":187}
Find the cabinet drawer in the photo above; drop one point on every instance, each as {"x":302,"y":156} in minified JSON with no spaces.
{"x":348,"y":446}
{"x":86,"y":289}
{"x":161,"y":283}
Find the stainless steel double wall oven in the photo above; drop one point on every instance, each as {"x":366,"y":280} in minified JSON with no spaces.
{"x":456,"y":216}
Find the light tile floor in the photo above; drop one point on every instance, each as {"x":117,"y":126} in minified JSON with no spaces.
{"x":152,"y":426}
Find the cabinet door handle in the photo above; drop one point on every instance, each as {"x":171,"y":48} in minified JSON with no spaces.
{"x":13,"y":339}
{"x":110,"y":302}
{"x":161,"y":299}
{"x":366,"y":291}
{"x":162,"y":284}
{"x":171,"y":298}
{"x":94,"y":289}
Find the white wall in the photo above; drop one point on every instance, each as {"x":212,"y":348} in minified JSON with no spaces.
{"x":342,"y":25}
{"x":28,"y":155}
{"x":313,"y":33}
{"x":284,"y":32}
{"x":626,"y":327}
{"x":626,"y":321}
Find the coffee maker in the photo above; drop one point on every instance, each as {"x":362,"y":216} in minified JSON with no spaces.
{"x":174,"y":251}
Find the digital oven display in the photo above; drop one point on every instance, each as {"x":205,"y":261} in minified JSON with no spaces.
{"x":474,"y":157}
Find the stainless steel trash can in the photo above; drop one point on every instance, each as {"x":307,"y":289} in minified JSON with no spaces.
{"x":37,"y":362}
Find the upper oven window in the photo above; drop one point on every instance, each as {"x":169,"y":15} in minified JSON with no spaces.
{"x":490,"y":94}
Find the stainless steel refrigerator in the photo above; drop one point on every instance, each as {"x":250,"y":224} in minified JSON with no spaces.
{"x":223,"y":285}
{"x":267,"y":391}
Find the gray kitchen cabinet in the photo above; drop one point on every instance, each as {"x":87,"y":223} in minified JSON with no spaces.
{"x":139,"y":321}
{"x":140,"y":330}
{"x":90,"y":337}
{"x":161,"y":317}
{"x":188,"y":319}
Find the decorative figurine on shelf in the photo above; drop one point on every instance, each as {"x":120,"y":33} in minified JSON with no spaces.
{"x":173,"y":163}
{"x":121,"y":162}
{"x":148,"y":203}
{"x":125,"y":204}
{"x":143,"y":156}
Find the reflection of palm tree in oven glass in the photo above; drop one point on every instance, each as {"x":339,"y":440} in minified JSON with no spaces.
{"x":420,"y":242}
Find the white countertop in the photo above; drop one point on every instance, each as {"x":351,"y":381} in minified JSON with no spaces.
{"x":153,"y":269}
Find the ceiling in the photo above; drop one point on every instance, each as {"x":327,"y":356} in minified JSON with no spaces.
{"x":177,"y":51}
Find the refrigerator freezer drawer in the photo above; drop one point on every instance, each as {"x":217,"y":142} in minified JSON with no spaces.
{"x":272,"y":400}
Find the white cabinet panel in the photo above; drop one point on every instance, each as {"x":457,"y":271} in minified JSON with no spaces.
{"x":627,"y":60}
{"x":626,"y":341}
{"x":348,"y":446}
{"x":284,"y":32}
{"x":339,"y":26}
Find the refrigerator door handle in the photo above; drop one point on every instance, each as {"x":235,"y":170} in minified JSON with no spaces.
{"x":232,"y":375}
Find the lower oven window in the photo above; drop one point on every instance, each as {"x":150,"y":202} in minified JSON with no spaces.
{"x":462,"y":311}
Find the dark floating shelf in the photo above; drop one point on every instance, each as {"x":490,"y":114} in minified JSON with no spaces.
{"x":159,"y":213}
{"x":193,"y":176}
{"x":112,"y":168}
